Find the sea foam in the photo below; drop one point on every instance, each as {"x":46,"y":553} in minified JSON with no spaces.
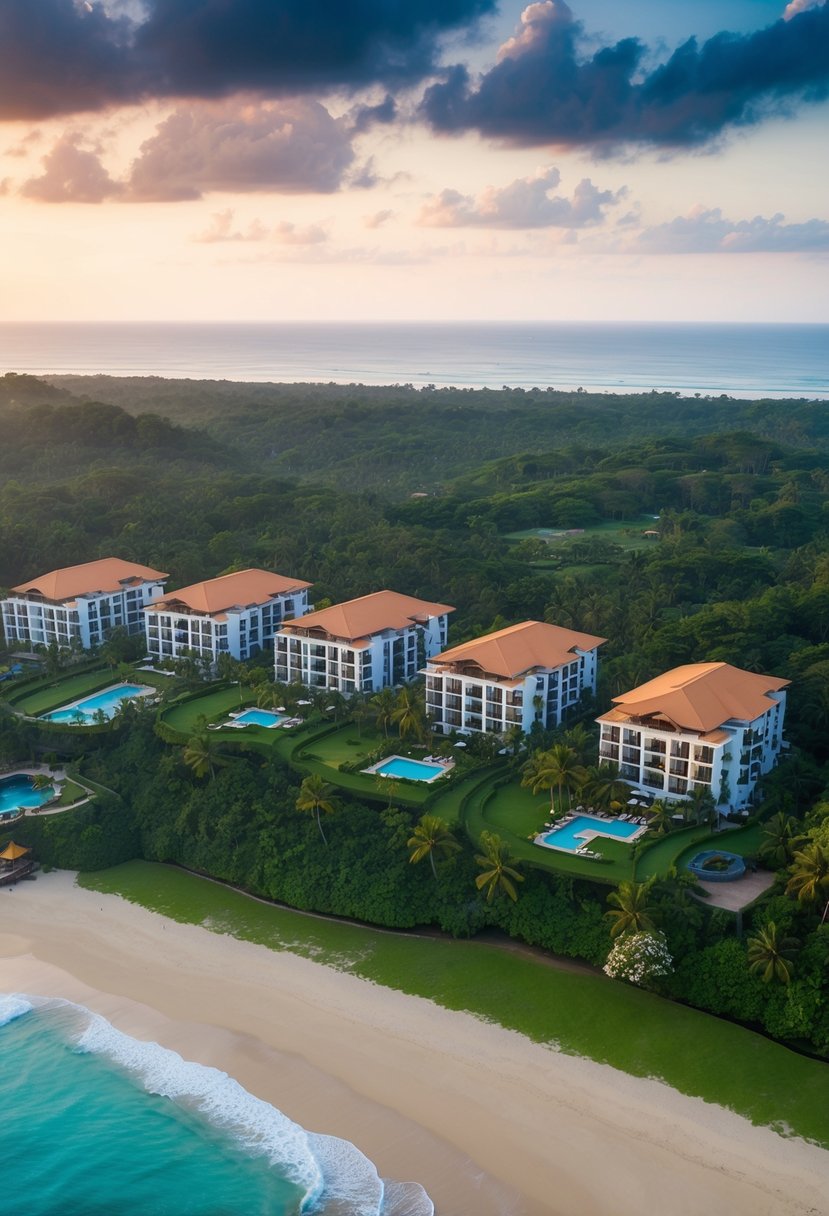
{"x":335,"y":1177}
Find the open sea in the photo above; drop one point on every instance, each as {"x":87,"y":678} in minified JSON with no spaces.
{"x":95,"y":1123}
{"x":709,"y":359}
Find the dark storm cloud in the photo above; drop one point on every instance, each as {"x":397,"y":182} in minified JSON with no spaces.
{"x":66,"y":56}
{"x":545,"y":90}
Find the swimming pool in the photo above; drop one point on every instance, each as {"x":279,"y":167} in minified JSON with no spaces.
{"x":83,"y":712}
{"x":17,"y":791}
{"x":258,"y":717}
{"x":579,"y":831}
{"x":411,"y":770}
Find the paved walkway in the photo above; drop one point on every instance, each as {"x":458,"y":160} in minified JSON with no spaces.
{"x":738,"y":894}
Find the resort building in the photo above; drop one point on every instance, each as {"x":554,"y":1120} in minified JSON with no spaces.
{"x":363,"y":645}
{"x":235,"y":614}
{"x":702,"y":726}
{"x":532,"y":672}
{"x":81,"y":605}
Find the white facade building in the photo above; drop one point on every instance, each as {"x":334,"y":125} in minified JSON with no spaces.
{"x":235,"y":614}
{"x":702,"y":726}
{"x":363,"y":645}
{"x":81,"y":605}
{"x":532,"y":672}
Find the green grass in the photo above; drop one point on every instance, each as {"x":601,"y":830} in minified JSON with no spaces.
{"x":212,"y":706}
{"x":71,"y":792}
{"x":514,"y":812}
{"x":626,"y":533}
{"x":64,"y":689}
{"x":70,"y":687}
{"x":347,"y":745}
{"x":582,"y":1013}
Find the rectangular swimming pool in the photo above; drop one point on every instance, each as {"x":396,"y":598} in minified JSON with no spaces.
{"x":84,"y":712}
{"x":571,"y":836}
{"x":259,"y":717}
{"x":411,"y":770}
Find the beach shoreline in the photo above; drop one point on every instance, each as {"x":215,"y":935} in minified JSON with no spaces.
{"x":484,"y":1119}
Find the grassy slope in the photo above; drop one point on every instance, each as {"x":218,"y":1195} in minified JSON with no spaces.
{"x":212,"y":706}
{"x":583,"y":1014}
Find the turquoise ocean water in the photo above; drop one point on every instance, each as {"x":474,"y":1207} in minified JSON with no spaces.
{"x":96,"y":1123}
{"x":739,"y":360}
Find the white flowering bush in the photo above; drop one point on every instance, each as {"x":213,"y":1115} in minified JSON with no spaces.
{"x":639,"y":958}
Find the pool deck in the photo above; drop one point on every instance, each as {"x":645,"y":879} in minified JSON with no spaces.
{"x":144,"y":690}
{"x":442,"y":766}
{"x":588,"y":836}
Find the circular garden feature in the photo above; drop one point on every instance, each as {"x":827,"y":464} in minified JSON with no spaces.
{"x":716,"y":866}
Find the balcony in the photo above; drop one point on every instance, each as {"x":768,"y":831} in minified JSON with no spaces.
{"x":655,"y":779}
{"x":630,"y":755}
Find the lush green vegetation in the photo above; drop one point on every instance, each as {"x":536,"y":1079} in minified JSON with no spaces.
{"x":582,"y":1014}
{"x":315,"y":481}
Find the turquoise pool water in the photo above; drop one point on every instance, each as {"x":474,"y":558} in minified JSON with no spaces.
{"x":96,"y":1123}
{"x":82,"y":713}
{"x":568,"y":837}
{"x":412,"y":770}
{"x":259,"y":717}
{"x":17,"y":791}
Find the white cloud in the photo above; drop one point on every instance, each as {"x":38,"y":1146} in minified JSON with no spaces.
{"x":289,"y":147}
{"x":72,"y":174}
{"x":799,"y":6}
{"x":709,"y":231}
{"x":525,"y":203}
{"x":221,"y":229}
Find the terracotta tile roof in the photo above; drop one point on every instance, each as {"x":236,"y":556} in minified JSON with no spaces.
{"x":370,"y":614}
{"x":520,"y":648}
{"x":702,"y":696}
{"x":105,"y":575}
{"x":238,"y":590}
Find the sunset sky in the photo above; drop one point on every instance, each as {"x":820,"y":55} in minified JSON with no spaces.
{"x":414,"y":159}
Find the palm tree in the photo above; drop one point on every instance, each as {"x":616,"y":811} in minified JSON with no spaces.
{"x":408,"y":714}
{"x":381,"y":706}
{"x":579,"y":738}
{"x":199,"y":754}
{"x":315,"y":797}
{"x":631,"y":911}
{"x":267,"y":696}
{"x":499,"y":868}
{"x":702,"y":804}
{"x":537,"y":774}
{"x":778,"y":840}
{"x":565,"y":769}
{"x":359,"y":711}
{"x":604,"y":787}
{"x":659,"y":817}
{"x":431,"y":836}
{"x":770,"y":954}
{"x":42,"y":781}
{"x":810,"y":875}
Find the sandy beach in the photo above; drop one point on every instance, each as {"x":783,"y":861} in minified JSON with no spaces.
{"x":486,"y":1120}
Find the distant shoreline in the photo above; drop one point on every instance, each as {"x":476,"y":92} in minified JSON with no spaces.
{"x":486,"y":1120}
{"x":745,"y":361}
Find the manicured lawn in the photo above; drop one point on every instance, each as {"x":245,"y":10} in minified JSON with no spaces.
{"x":67,"y":688}
{"x":347,"y":745}
{"x":62,"y":690}
{"x":585,"y":1015}
{"x":212,"y":706}
{"x":71,"y":792}
{"x":744,"y":841}
{"x":659,"y":858}
{"x":514,"y":812}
